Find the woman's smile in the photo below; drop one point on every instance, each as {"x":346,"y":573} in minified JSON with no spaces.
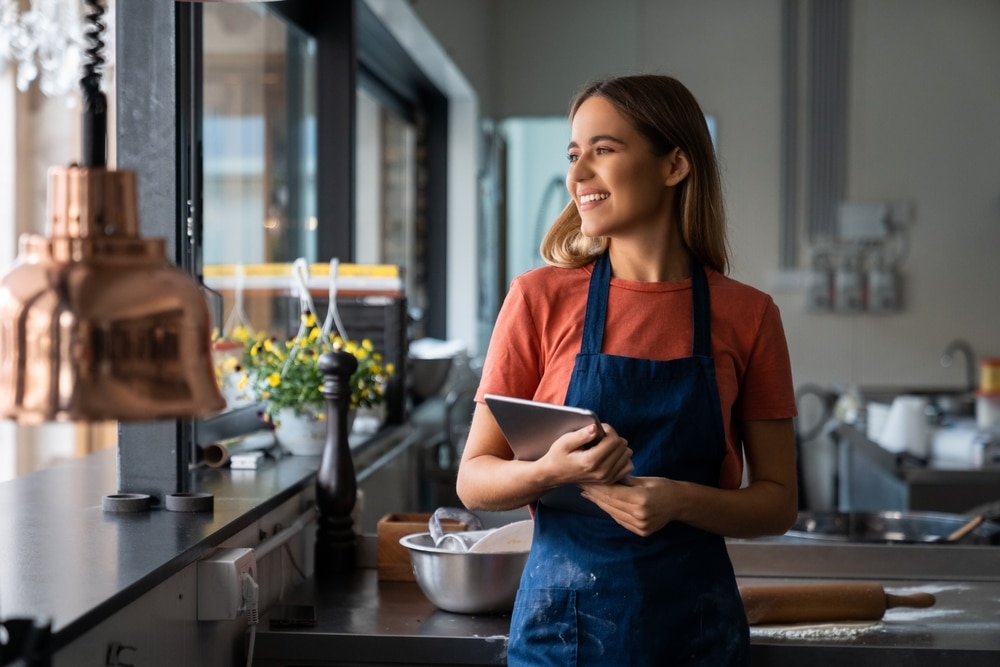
{"x":590,"y":200}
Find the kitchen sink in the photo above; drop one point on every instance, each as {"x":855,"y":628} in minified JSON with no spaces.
{"x":890,"y":527}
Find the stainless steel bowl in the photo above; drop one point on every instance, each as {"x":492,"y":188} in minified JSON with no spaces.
{"x":465,"y":583}
{"x":427,"y":376}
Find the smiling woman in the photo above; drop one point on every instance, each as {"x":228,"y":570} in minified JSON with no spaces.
{"x":635,"y":320}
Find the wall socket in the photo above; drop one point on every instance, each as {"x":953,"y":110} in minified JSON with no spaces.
{"x":220,"y":583}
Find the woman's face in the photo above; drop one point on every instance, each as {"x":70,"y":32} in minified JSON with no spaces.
{"x":620,"y":187}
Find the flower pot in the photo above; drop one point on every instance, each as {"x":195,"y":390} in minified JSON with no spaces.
{"x":304,"y":434}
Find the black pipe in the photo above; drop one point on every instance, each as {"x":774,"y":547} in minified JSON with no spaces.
{"x":95,"y":104}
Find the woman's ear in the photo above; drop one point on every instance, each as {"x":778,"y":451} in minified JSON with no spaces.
{"x":676,"y":167}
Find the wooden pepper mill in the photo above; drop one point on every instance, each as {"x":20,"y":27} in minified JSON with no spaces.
{"x":336,"y":484}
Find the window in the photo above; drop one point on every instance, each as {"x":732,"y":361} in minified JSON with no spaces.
{"x":258,"y":137}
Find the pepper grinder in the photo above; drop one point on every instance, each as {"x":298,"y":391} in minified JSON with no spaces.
{"x":336,"y":484}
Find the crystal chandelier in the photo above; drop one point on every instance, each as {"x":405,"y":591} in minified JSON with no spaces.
{"x":45,"y":41}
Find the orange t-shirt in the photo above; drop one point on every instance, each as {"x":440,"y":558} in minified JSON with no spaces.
{"x":540,"y":326}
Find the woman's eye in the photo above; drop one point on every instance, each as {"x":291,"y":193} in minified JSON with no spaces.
{"x":571,"y":157}
{"x":601,"y":150}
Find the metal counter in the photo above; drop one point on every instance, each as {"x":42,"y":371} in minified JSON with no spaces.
{"x":361,"y":620}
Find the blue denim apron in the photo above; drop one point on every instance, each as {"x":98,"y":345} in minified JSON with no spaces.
{"x":593,"y":593}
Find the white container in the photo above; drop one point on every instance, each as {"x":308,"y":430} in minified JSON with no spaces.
{"x":906,"y":428}
{"x":988,"y":411}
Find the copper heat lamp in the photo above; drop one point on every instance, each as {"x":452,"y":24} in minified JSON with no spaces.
{"x":95,"y":322}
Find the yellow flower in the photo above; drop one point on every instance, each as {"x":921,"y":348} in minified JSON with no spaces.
{"x":288,"y":375}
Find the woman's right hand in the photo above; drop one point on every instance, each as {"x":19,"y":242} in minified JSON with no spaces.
{"x":491,"y":479}
{"x":571,"y":461}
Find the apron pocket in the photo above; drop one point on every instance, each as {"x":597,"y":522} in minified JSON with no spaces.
{"x":543,"y":628}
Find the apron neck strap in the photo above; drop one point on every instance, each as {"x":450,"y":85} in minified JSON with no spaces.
{"x":701,"y":310}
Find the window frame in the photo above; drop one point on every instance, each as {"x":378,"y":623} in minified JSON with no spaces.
{"x":158,"y":58}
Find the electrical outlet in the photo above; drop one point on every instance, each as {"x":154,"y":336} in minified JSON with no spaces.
{"x":220,"y":583}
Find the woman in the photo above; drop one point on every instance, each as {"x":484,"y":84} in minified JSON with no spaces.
{"x":636,"y":320}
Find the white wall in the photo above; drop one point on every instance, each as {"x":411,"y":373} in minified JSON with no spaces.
{"x":923,"y":109}
{"x":463,"y":161}
{"x":8,"y":247}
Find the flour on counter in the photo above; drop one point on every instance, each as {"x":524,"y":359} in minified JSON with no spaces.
{"x":909,"y":614}
{"x":926,"y":588}
{"x":840,"y":629}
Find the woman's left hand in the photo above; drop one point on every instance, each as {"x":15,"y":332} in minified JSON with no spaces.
{"x":639,"y":504}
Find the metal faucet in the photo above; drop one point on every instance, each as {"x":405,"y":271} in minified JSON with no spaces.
{"x":947,"y":358}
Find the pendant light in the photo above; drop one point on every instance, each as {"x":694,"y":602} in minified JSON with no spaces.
{"x":95,"y":322}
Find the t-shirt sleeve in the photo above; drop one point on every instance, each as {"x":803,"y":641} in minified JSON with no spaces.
{"x":512,"y":366}
{"x":767,"y":391}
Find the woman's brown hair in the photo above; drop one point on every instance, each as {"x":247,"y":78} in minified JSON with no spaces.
{"x":665,"y":112}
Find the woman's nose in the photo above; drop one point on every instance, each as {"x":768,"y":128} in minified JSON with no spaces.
{"x":578,"y":170}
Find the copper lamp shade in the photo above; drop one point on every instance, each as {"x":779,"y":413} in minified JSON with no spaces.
{"x":95,"y":322}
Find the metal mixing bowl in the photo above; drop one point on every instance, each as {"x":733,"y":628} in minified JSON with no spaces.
{"x":465,"y":583}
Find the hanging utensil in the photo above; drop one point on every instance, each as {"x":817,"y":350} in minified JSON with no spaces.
{"x":964,"y":530}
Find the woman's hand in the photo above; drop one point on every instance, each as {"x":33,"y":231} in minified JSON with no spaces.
{"x":641,"y":505}
{"x":766,"y":505}
{"x":489,"y":478}
{"x":571,"y":461}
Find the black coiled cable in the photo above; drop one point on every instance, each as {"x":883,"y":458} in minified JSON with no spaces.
{"x":95,"y":105}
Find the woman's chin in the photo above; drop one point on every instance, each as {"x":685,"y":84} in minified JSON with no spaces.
{"x":592,"y":231}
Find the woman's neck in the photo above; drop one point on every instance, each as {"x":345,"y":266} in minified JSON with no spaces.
{"x":664,"y":261}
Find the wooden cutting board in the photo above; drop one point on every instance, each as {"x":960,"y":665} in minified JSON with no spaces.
{"x":803,"y":603}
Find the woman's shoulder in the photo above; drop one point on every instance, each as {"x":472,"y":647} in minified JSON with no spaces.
{"x":733,"y":287}
{"x":731,"y":295}
{"x":545,"y":279}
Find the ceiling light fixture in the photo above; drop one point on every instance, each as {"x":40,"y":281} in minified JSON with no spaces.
{"x":44,"y":42}
{"x":95,"y":322}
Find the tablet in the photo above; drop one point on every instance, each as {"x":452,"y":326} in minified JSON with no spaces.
{"x":531,"y":427}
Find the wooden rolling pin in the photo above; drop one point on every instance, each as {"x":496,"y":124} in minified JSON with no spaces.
{"x":803,"y":603}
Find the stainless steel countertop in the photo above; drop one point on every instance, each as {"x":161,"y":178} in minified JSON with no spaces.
{"x":361,"y":619}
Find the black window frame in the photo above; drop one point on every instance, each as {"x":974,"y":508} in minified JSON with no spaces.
{"x":158,"y":135}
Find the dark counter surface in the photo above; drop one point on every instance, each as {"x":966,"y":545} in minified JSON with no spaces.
{"x":363,"y":620}
{"x":65,"y":560}
{"x":62,"y":558}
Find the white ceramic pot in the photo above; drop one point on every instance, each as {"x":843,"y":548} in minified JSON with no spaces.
{"x":304,"y":434}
